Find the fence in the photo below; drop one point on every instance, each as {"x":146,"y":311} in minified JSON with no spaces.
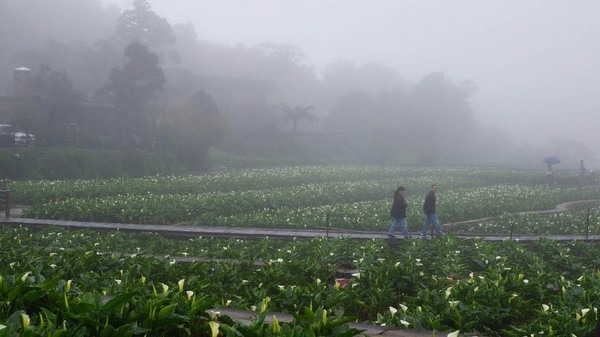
{"x":5,"y":199}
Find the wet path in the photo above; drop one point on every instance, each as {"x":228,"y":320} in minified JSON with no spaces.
{"x":185,"y":232}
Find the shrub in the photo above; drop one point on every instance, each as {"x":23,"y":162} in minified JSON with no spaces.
{"x":75,"y":163}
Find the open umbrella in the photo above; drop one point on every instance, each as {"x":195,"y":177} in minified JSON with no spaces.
{"x":551,"y":160}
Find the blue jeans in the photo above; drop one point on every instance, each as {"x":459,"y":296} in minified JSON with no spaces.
{"x":431,"y":218}
{"x":395,"y":225}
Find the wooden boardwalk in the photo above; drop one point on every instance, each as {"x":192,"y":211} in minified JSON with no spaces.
{"x":186,"y":232}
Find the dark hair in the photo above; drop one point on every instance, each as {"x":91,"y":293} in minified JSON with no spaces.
{"x":433,"y":185}
{"x":400,"y":188}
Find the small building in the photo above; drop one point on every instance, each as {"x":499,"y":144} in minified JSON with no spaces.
{"x":22,"y":82}
{"x":22,"y":93}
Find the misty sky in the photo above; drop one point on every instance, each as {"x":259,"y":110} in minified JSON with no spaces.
{"x":536,"y":63}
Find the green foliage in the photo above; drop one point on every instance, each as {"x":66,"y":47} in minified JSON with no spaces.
{"x":575,"y":222}
{"x":70,"y":163}
{"x":220,"y":159}
{"x":297,"y":114}
{"x":224,"y":181}
{"x":351,"y":197}
{"x":133,"y":89}
{"x":190,"y":127}
{"x":84,"y":292}
{"x":142,"y":24}
{"x":133,"y":284}
{"x":400,"y":125}
{"x":123,"y":284}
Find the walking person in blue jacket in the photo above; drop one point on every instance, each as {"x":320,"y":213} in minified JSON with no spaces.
{"x":398,"y":212}
{"x":429,"y":210}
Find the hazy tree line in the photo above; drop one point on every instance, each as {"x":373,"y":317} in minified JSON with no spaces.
{"x":149,"y":69}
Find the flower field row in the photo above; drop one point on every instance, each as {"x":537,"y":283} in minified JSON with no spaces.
{"x":170,"y":208}
{"x":360,"y":205}
{"x":345,"y":197}
{"x":30,"y":192}
{"x":70,"y":282}
{"x":575,"y":222}
{"x":453,"y":206}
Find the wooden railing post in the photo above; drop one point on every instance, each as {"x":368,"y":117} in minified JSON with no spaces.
{"x":327,"y":225}
{"x":587,"y":224}
{"x":7,"y":204}
{"x":5,"y":193}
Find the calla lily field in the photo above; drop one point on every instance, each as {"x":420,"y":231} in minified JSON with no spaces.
{"x":56,"y":282}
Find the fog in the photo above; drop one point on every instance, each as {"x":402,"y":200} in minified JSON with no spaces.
{"x":530,"y":68}
{"x":535,"y":62}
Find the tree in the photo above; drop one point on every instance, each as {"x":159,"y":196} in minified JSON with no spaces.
{"x":190,"y":126}
{"x":283,"y":52}
{"x":440,"y":116}
{"x":358,"y":118}
{"x":297,"y":114}
{"x":373,"y":78}
{"x":145,"y":26}
{"x":133,"y":88}
{"x":57,"y":102}
{"x":353,"y":112}
{"x":137,"y":81}
{"x":432,"y":121}
{"x":97,"y":61}
{"x":54,"y":93}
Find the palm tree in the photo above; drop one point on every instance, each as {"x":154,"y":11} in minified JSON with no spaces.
{"x":297,"y":114}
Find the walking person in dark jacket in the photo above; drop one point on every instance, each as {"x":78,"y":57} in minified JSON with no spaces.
{"x":399,"y":213}
{"x":429,"y":210}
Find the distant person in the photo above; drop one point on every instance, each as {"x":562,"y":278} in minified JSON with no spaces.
{"x":430,"y":215}
{"x":549,"y":174}
{"x":398,"y":212}
{"x":581,"y":173}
